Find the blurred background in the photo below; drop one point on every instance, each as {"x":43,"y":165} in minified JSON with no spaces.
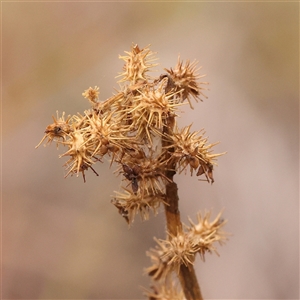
{"x":62,"y":238}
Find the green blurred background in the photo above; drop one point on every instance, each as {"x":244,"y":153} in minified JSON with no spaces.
{"x":63,"y":239}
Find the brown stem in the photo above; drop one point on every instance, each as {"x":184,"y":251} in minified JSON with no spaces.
{"x":189,"y":283}
{"x":187,"y":275}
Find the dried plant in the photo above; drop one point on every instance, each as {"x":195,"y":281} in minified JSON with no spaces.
{"x":136,"y":129}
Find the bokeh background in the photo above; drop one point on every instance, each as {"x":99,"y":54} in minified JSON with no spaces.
{"x":62,"y":238}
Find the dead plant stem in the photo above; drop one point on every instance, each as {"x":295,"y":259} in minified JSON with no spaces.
{"x":187,"y":275}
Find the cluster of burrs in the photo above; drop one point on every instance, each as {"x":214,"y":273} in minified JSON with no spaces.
{"x":136,"y":129}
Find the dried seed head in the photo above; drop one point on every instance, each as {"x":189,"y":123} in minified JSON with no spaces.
{"x":204,"y":233}
{"x":191,"y":149}
{"x":169,"y":255}
{"x":91,"y":94}
{"x":58,"y":130}
{"x":184,"y":78}
{"x":137,"y":63}
{"x":148,"y":112}
{"x":141,"y":202}
{"x":146,"y":174}
{"x":103,"y":134}
{"x":180,"y":250}
{"x":80,"y":155}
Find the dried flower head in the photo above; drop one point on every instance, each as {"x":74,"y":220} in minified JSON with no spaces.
{"x":185,"y":79}
{"x":170,"y":254}
{"x":92,"y":94}
{"x":151,"y":110}
{"x":131,"y":203}
{"x":180,"y":250}
{"x":205,"y":233}
{"x":58,"y":130}
{"x":191,"y":149}
{"x":145,"y":173}
{"x":137,"y":63}
{"x":80,"y":154}
{"x":104,"y":135}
